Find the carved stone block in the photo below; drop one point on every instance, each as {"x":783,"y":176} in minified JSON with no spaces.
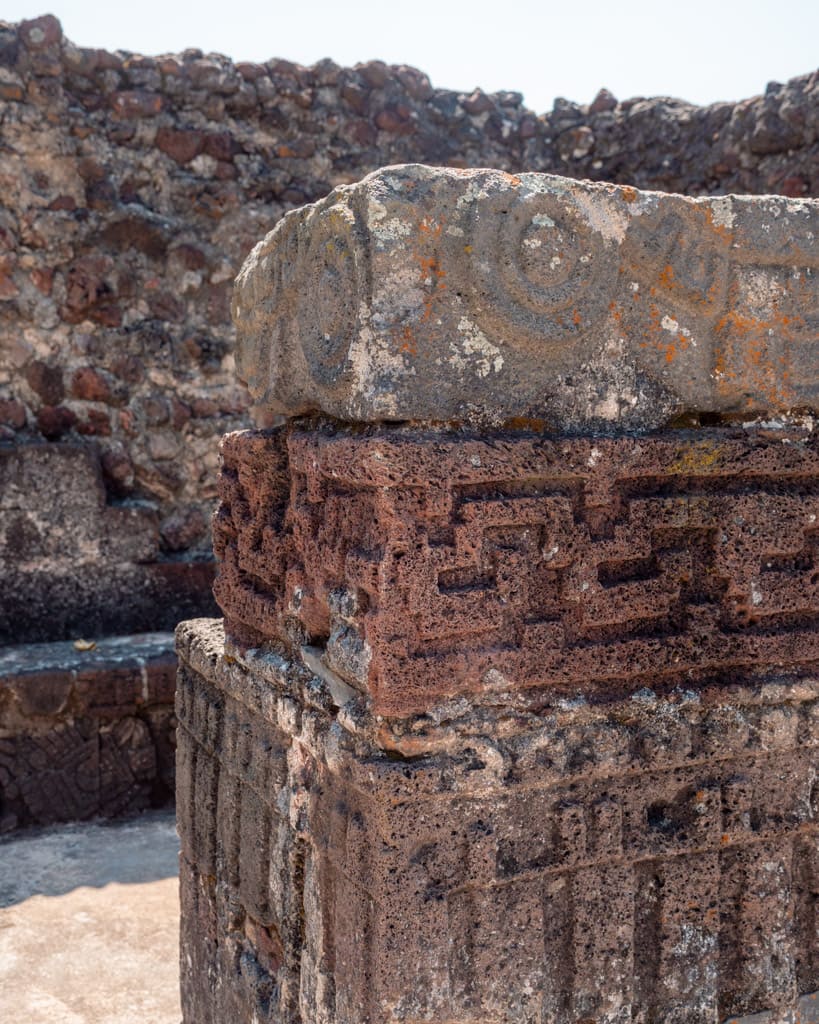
{"x":479,"y":296}
{"x":593,"y":862}
{"x":514,"y":715}
{"x":427,"y":567}
{"x":86,"y":733}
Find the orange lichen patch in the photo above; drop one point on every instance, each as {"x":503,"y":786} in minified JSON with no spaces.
{"x":576,"y":318}
{"x":513,"y":179}
{"x":747,"y":361}
{"x":669,"y":343}
{"x":432,"y":273}
{"x":428,"y":226}
{"x":666,"y":277}
{"x":406,"y":341}
{"x":628,"y":194}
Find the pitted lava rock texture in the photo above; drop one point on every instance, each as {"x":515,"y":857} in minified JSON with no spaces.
{"x":655,"y":859}
{"x":477,"y":296}
{"x":429,"y":566}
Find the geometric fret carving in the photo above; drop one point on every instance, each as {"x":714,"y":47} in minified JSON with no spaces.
{"x":521,"y":564}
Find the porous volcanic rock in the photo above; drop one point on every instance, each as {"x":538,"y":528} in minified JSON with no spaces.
{"x":479,"y":296}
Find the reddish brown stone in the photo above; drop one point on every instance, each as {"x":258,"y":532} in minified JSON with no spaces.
{"x":416,"y":83}
{"x":89,"y":292}
{"x":95,"y":424}
{"x":221,"y":145}
{"x":43,"y":279}
{"x":204,"y":408}
{"x":602,"y":102}
{"x":12,"y":413}
{"x":396,"y":120}
{"x":136,"y":103}
{"x":92,"y":385}
{"x":181,"y":145}
{"x":63,"y":203}
{"x":189,"y":256}
{"x":474,"y":566}
{"x":54,"y":421}
{"x":478,"y":102}
{"x":650,"y":859}
{"x":180,"y":413}
{"x":11,"y":92}
{"x":8,"y":289}
{"x":40,"y":33}
{"x":46,"y":381}
{"x":795,"y":185}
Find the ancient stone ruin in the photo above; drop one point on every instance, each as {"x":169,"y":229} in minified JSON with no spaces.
{"x":512,"y":717}
{"x":133,"y":188}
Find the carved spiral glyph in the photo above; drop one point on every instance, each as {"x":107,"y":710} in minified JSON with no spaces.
{"x":536,"y":272}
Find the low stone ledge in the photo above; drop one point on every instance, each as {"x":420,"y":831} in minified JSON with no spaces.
{"x":86,"y":733}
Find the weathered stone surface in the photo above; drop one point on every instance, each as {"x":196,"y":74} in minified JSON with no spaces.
{"x":85,"y":733}
{"x":479,"y":296}
{"x":428,"y":566}
{"x":650,"y":858}
{"x":73,"y":564}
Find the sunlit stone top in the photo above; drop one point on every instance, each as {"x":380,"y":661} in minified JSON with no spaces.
{"x":432,"y":294}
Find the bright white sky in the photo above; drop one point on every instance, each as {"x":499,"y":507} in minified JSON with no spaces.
{"x":699,"y":50}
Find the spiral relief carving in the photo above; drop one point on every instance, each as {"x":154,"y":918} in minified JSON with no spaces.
{"x":330,"y":267}
{"x":475,"y":296}
{"x":536,"y":271}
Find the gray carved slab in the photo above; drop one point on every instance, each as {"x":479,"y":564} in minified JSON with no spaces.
{"x":477,"y":296}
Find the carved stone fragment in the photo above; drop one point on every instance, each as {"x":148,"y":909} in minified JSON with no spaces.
{"x":643,"y":859}
{"x":479,"y":296}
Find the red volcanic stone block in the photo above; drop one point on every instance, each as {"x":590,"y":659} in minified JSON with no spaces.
{"x":431,"y":566}
{"x":12,"y":413}
{"x":40,"y":33}
{"x":592,"y":862}
{"x":92,"y":385}
{"x":137,"y":103}
{"x":180,"y":145}
{"x":54,"y":421}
